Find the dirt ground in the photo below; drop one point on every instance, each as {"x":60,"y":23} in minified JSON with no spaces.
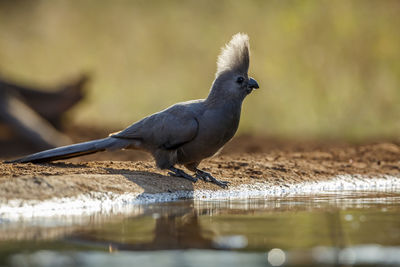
{"x":245,"y":160}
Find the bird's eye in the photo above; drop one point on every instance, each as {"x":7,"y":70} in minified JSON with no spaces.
{"x":240,"y":80}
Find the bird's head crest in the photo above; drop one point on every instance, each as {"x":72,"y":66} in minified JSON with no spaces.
{"x":235,"y":55}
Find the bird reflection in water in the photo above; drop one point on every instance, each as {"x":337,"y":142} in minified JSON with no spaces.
{"x":175,"y":227}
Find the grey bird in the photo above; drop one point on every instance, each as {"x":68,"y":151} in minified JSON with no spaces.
{"x":187,"y":132}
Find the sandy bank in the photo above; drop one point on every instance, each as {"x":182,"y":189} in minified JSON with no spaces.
{"x":291,"y":169}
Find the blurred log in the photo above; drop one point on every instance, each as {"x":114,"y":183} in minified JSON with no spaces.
{"x":33,"y":113}
{"x":29,"y":124}
{"x":50,"y":104}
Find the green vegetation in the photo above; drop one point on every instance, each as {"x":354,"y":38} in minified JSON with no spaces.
{"x":327,"y":69}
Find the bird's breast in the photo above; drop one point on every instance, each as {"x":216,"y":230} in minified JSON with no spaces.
{"x":216,"y":128}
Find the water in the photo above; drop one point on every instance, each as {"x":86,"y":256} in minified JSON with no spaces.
{"x":335,"y":229}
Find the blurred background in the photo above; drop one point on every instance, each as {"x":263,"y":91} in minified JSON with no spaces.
{"x":327,"y":69}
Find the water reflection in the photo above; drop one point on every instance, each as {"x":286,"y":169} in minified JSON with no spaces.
{"x":165,"y":226}
{"x":334,"y":229}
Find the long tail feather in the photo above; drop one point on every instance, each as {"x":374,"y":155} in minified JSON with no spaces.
{"x":75,"y":150}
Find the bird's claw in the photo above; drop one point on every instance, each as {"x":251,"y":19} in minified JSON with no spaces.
{"x":207,"y":177}
{"x":179,"y":173}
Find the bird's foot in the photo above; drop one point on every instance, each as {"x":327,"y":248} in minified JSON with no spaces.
{"x":179,"y":173}
{"x":207,"y":177}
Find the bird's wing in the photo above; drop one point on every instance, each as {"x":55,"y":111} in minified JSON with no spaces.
{"x":168,"y":129}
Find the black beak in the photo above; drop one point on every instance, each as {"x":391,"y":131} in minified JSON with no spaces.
{"x":252,"y":83}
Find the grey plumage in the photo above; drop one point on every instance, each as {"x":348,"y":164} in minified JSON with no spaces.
{"x":185,"y":133}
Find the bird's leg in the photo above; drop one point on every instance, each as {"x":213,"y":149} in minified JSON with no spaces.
{"x":179,"y":173}
{"x":207,"y":177}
